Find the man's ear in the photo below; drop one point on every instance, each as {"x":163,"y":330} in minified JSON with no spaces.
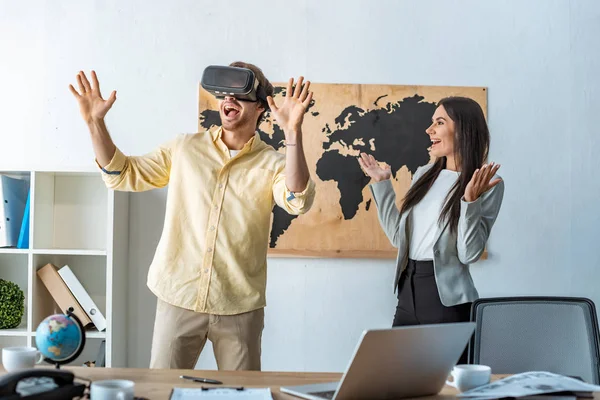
{"x":260,"y":106}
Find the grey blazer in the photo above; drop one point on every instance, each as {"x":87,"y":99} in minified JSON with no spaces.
{"x":452,"y":252}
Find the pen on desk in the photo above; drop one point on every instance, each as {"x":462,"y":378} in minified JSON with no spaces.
{"x":203,"y":380}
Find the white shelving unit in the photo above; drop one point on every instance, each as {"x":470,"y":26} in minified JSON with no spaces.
{"x":74,"y":220}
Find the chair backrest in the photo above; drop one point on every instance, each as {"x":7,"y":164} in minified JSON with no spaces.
{"x":519,"y":334}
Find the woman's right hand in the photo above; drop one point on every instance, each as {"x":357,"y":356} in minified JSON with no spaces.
{"x":372,"y":168}
{"x":91,"y":104}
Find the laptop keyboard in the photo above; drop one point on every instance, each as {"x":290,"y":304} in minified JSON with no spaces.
{"x":324,"y":395}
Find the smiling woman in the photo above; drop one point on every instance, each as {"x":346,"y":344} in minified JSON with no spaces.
{"x":445,"y":219}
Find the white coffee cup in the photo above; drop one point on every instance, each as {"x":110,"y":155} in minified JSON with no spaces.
{"x":115,"y":389}
{"x":17,"y":358}
{"x":467,"y":377}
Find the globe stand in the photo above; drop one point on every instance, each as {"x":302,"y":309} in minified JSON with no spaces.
{"x":57,"y":364}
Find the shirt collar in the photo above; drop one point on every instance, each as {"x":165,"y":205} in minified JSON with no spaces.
{"x":254,"y":142}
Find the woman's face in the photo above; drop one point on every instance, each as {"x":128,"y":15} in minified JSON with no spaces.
{"x":441,"y":133}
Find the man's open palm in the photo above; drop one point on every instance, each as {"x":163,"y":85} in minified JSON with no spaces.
{"x":290,"y":114}
{"x":91,"y":104}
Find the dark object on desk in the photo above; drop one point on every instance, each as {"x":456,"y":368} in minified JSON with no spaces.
{"x":520,"y":334}
{"x":201,"y":380}
{"x":560,"y":396}
{"x":239,"y":389}
{"x":40,"y":384}
{"x":549,"y":397}
{"x":328,"y":394}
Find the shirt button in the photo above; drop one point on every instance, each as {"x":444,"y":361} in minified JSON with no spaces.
{"x":220,"y":186}
{"x":206,"y":270}
{"x":212,"y":228}
{"x":209,"y":249}
{"x":216,"y":207}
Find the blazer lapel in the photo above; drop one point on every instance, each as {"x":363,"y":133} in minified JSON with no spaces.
{"x":439,"y":233}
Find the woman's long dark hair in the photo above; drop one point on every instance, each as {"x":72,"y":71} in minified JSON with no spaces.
{"x":471,"y":145}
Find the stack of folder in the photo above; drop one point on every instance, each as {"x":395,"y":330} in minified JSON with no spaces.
{"x":67,"y":291}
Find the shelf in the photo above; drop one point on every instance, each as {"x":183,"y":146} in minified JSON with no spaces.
{"x":70,"y":211}
{"x":89,"y":353}
{"x":89,"y":270}
{"x":76,"y":221}
{"x":9,"y":250}
{"x":63,"y":252}
{"x":89,"y":334}
{"x":94,"y":334}
{"x":70,"y":252}
{"x":7,"y":341}
{"x":21,"y":330}
{"x":13,"y":268}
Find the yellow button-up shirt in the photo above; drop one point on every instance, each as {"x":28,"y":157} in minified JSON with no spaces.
{"x":212,"y":255}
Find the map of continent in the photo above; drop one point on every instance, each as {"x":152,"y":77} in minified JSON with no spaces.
{"x":342,"y":121}
{"x":393,"y":134}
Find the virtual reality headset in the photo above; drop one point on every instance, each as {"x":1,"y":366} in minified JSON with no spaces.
{"x":240,"y":83}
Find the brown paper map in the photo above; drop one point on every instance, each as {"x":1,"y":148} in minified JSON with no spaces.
{"x":387,"y":121}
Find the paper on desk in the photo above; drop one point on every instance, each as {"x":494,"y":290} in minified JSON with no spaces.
{"x":221,"y":394}
{"x":527,"y":384}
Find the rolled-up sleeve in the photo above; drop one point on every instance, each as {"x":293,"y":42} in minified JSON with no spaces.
{"x":294,"y":203}
{"x":139,"y":173}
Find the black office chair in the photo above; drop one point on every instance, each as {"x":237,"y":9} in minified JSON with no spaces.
{"x":554,"y":334}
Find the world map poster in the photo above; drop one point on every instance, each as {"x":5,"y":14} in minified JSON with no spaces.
{"x":343,"y":120}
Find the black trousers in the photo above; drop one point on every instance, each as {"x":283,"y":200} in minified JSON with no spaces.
{"x":419,"y":300}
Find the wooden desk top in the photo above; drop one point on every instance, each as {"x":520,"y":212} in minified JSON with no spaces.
{"x":156,"y":384}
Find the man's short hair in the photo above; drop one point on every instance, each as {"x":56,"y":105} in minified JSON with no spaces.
{"x":262,"y":81}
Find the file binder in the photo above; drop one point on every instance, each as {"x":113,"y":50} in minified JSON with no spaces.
{"x":23,"y":242}
{"x":61,"y":293}
{"x":13,"y":196}
{"x":83,"y":297}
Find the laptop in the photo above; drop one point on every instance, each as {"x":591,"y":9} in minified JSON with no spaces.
{"x":397,"y":362}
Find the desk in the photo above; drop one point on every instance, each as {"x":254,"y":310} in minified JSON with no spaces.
{"x":157,"y":384}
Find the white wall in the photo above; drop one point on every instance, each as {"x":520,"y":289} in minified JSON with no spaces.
{"x":538,"y":58}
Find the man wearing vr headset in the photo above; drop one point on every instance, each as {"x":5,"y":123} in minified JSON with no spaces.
{"x":209,"y":269}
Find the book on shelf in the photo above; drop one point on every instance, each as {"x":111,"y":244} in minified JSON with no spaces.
{"x":83,"y":297}
{"x":13,"y":198}
{"x":60,"y":292}
{"x":23,"y":242}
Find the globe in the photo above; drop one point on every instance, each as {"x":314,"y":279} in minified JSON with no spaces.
{"x":60,"y":338}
